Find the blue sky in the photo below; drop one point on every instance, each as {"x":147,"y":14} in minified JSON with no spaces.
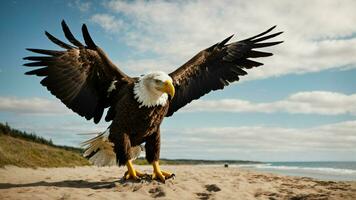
{"x":299,"y":106}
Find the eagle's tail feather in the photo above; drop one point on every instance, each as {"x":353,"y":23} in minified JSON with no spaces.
{"x":99,"y":150}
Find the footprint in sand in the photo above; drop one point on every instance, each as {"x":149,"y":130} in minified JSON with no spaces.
{"x":157,"y":192}
{"x":210,"y":189}
{"x":203,"y":196}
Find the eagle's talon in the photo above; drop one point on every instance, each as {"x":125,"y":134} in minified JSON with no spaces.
{"x":159,"y":174}
{"x":134,"y":176}
{"x":172,"y":176}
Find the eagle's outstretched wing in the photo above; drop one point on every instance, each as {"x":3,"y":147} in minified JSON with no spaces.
{"x":82,"y":76}
{"x":216,"y":67}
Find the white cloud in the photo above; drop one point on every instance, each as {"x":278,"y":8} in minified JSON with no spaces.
{"x":70,"y":130}
{"x":75,"y":126}
{"x":108,"y":22}
{"x":33,"y":105}
{"x":265,"y":142}
{"x":143,"y":66}
{"x":313,"y":102}
{"x":83,"y":6}
{"x":316,"y":33}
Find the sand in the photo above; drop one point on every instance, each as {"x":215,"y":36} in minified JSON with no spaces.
{"x":191,"y":182}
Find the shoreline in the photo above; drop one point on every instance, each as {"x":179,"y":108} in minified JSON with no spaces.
{"x":329,"y":171}
{"x":191,"y":182}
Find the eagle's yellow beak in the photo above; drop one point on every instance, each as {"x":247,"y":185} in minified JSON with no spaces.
{"x":168,"y":88}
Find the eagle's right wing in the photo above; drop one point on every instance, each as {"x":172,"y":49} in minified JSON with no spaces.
{"x":82,"y":76}
{"x":216,"y":67}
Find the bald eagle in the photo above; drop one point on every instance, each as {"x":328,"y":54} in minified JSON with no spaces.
{"x":87,"y":82}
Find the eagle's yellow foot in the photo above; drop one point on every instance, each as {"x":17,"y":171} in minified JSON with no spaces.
{"x":131,"y":173}
{"x":160,"y":174}
{"x":134,"y":176}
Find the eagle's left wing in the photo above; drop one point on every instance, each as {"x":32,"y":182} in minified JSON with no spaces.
{"x":216,"y":67}
{"x":81,"y":76}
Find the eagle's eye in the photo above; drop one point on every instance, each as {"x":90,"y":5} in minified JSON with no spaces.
{"x":157,"y":81}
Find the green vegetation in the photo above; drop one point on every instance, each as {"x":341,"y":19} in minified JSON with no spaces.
{"x":29,"y":150}
{"x":5,"y":129}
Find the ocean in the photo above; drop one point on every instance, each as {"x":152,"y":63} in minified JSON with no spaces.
{"x":336,"y":171}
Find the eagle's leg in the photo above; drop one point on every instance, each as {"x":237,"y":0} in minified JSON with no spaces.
{"x":153,"y":143}
{"x":160,"y":174}
{"x":122,"y":149}
{"x":131,"y":172}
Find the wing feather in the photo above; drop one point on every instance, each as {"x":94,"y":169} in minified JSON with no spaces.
{"x":69,"y":35}
{"x":57,"y":41}
{"x":88,"y":41}
{"x":46,"y":52}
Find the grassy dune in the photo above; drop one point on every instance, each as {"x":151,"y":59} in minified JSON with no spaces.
{"x":24,"y":150}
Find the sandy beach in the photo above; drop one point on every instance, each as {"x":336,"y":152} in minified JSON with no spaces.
{"x":191,"y":182}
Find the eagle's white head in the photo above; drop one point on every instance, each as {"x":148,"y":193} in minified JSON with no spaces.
{"x":153,"y":89}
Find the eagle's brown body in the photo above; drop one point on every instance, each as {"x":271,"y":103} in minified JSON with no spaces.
{"x":87,"y":82}
{"x":134,"y":125}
